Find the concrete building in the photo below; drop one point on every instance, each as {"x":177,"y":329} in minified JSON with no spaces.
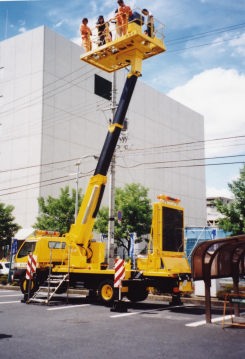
{"x":213,"y":215}
{"x":50,"y":117}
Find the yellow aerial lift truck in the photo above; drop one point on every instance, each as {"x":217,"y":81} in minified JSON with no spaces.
{"x":76,"y":255}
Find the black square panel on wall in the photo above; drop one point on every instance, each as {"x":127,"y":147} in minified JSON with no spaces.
{"x":102,"y":87}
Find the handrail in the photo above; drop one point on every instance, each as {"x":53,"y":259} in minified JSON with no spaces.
{"x":95,"y":38}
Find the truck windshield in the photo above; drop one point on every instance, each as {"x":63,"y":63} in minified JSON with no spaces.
{"x":26,"y":248}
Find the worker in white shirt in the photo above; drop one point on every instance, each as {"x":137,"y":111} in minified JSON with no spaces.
{"x":149,"y":22}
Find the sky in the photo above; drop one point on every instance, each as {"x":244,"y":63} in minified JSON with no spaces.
{"x":203,"y":67}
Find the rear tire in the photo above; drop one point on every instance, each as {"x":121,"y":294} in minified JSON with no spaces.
{"x":63,"y":288}
{"x":107,"y":293}
{"x":137,"y":294}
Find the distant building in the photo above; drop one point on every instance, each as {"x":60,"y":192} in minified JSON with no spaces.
{"x":195,"y":234}
{"x":213,"y":215}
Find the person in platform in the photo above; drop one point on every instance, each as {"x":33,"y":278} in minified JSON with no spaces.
{"x":100,"y":25}
{"x":149,"y":23}
{"x":86,"y":35}
{"x":124,"y":12}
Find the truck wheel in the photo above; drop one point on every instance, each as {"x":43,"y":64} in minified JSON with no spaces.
{"x":62,"y":289}
{"x":176,"y":300}
{"x":107,"y":292}
{"x":24,"y":286}
{"x":137,"y":294}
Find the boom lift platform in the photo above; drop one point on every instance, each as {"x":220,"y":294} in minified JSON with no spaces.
{"x":165,"y":267}
{"x":127,"y":50}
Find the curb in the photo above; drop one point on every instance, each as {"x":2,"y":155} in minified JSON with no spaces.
{"x":151,"y":297}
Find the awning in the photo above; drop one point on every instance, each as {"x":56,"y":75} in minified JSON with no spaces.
{"x":219,"y":258}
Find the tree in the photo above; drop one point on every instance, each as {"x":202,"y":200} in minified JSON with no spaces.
{"x":57,"y":214}
{"x":101,"y":224}
{"x":136,"y":210}
{"x":234,"y":212}
{"x":8,"y":227}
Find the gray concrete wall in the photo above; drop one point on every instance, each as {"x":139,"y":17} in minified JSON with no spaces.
{"x":51,"y":117}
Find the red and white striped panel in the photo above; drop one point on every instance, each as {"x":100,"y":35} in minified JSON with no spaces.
{"x":119,"y":272}
{"x":31,"y":266}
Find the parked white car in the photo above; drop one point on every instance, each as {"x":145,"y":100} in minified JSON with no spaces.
{"x":4,"y":268}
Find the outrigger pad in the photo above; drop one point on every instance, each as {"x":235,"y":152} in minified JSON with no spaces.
{"x":119,"y":306}
{"x":121,"y":52}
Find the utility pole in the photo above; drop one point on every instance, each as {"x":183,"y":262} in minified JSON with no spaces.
{"x":111,"y":223}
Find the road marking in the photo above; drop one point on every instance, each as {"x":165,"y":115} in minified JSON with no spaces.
{"x":146,"y":311}
{"x":123,"y":315}
{"x":203,"y":322}
{"x":9,"y":295}
{"x":69,"y":307}
{"x":16,"y":301}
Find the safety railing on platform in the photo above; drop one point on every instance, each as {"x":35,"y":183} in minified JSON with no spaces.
{"x":109,"y":30}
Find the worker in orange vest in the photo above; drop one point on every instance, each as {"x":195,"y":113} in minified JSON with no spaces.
{"x":124,"y":12}
{"x":85,"y":34}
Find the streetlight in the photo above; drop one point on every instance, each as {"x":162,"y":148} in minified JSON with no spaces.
{"x":77,"y":173}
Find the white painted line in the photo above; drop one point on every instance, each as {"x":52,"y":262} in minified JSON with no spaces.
{"x":146,"y":310}
{"x":124,"y":315}
{"x":16,"y":301}
{"x":69,"y":307}
{"x":10,"y":295}
{"x":143,"y":311}
{"x":203,"y":322}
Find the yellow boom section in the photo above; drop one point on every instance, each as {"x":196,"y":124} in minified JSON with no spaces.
{"x":81,"y":231}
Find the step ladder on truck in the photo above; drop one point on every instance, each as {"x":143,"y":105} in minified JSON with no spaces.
{"x":55,"y":284}
{"x":165,"y":269}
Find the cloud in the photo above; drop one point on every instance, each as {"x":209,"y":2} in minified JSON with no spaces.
{"x":218,"y":192}
{"x":238,"y":45}
{"x":58,"y":24}
{"x":22,"y":29}
{"x":217,"y":94}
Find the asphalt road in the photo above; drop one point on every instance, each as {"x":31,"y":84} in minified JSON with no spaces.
{"x":79,"y":329}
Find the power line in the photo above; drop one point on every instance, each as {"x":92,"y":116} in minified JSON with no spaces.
{"x":42,"y":183}
{"x":207,"y":33}
{"x":52,"y":92}
{"x":143,"y":149}
{"x":188,"y":143}
{"x":201,"y":165}
{"x":184,"y":160}
{"x":62,"y":179}
{"x":39,"y":165}
{"x":152,"y":168}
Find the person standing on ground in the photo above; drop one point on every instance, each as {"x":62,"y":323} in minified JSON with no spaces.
{"x":150,"y":22}
{"x":85,"y":34}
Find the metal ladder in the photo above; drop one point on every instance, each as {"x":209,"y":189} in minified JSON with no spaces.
{"x":50,"y":287}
